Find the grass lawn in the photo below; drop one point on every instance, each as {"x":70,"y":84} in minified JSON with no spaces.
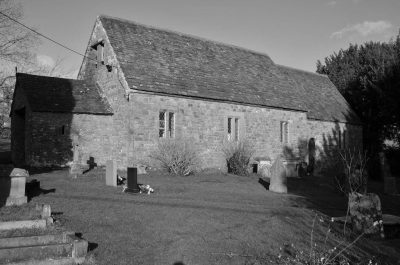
{"x":210,"y":218}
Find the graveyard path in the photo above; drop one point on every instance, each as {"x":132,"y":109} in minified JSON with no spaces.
{"x":204,"y":219}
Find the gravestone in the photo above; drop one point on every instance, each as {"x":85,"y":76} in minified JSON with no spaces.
{"x":278,"y":176}
{"x":111,"y":173}
{"x":132,"y":180}
{"x":141,"y":169}
{"x":76,"y":168}
{"x":264,"y":168}
{"x":46,"y":211}
{"x":17,"y":187}
{"x":389,"y":182}
{"x":366,"y":214}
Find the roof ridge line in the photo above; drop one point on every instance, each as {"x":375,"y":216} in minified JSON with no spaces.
{"x":188,"y":35}
{"x":301,"y":70}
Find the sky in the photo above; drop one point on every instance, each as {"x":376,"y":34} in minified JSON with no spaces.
{"x":294,"y":33}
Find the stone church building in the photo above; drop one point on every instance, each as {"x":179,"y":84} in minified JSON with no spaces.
{"x":139,"y":85}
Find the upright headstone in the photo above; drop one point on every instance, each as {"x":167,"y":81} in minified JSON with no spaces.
{"x":76,"y":168}
{"x":389,"y":182}
{"x":278,"y":177}
{"x":132,"y":180}
{"x":111,"y":173}
{"x":17,"y":187}
{"x":46,"y":211}
{"x":264,"y":168}
{"x":366,"y":214}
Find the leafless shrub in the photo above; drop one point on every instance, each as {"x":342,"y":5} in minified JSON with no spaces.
{"x":177,"y":156}
{"x":355,"y":174}
{"x":238,"y":155}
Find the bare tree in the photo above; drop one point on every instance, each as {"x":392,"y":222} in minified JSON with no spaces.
{"x":17,"y":49}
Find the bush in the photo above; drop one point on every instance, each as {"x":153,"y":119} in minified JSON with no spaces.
{"x":238,"y":155}
{"x":177,"y":156}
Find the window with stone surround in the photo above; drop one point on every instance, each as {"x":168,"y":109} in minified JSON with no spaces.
{"x":61,"y":130}
{"x":166,"y":124}
{"x":284,"y":132}
{"x":99,"y":47}
{"x":233,"y":129}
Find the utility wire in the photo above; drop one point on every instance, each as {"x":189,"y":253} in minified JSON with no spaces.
{"x":44,"y":36}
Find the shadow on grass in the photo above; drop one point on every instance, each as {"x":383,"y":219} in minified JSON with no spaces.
{"x":33,"y":189}
{"x":264,"y":183}
{"x":92,"y":246}
{"x":318,"y":194}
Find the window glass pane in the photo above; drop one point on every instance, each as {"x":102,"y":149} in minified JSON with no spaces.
{"x":229,"y":128}
{"x":161,"y":124}
{"x":236,"y":129}
{"x":171,"y":125}
{"x":286,"y":132}
{"x":162,"y":115}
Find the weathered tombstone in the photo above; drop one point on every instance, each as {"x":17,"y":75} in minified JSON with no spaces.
{"x":76,"y":168}
{"x":278,"y":177}
{"x":366,"y":214}
{"x":17,"y":188}
{"x":111,"y":173}
{"x":291,"y":167}
{"x":264,"y":168}
{"x":141,"y":169}
{"x":132,"y":180}
{"x":46,"y":211}
{"x":389,"y":182}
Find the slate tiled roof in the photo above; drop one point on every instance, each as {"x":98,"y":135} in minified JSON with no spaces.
{"x":173,"y":63}
{"x":52,"y":94}
{"x":168,"y":62}
{"x":323,"y":100}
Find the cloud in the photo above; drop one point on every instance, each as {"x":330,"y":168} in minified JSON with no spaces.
{"x":45,"y":60}
{"x":364,"y":29}
{"x":331,"y":3}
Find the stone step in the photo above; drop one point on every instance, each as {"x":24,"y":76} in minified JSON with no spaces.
{"x":38,"y":252}
{"x":24,"y":241}
{"x":61,"y":261}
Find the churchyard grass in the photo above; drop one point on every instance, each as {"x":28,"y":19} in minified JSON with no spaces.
{"x":208,"y":218}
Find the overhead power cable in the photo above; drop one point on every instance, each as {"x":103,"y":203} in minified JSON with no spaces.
{"x":44,"y":36}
